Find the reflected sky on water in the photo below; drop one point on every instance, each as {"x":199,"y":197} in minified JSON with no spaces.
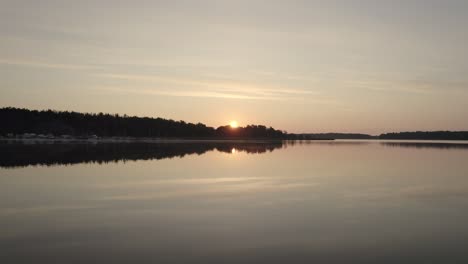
{"x":235,"y":202}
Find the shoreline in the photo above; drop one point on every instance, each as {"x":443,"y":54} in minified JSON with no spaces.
{"x":111,"y":140}
{"x":150,"y":140}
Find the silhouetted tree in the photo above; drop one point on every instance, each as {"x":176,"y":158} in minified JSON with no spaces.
{"x":428,"y":135}
{"x":20,"y":121}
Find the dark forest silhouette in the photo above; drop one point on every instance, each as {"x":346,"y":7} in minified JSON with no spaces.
{"x":16,"y":121}
{"x":433,"y":135}
{"x":340,"y":136}
{"x":20,"y":121}
{"x":418,"y":135}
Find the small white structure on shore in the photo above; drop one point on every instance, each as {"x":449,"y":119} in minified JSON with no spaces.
{"x":29,"y":135}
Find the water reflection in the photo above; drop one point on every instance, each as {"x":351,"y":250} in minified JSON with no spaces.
{"x":423,"y":145}
{"x":22,"y":155}
{"x":306,"y":202}
{"x":328,"y":142}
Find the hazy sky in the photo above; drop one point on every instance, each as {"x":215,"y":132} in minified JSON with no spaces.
{"x":303,"y":66}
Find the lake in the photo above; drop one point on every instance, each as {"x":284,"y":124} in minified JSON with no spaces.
{"x":234,"y":202}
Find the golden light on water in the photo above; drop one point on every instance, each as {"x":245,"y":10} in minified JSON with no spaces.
{"x":234,"y":124}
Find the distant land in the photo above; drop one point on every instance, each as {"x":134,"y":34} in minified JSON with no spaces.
{"x":16,"y":122}
{"x":424,"y":135}
{"x":341,"y":136}
{"x":49,"y":124}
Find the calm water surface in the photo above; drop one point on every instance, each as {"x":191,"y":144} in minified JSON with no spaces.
{"x":228,"y":202}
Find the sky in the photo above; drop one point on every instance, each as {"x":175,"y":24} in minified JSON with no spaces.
{"x":302,"y":66}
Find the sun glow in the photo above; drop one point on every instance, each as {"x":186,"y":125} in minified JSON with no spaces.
{"x":234,"y":124}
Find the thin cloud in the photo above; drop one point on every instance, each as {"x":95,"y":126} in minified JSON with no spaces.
{"x":398,"y":84}
{"x":187,"y":93}
{"x":213,"y":94}
{"x":216,"y":88}
{"x":39,"y":64}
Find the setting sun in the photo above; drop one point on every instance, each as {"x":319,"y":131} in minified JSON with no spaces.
{"x":234,"y":124}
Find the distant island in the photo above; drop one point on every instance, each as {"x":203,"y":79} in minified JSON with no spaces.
{"x":424,"y":135}
{"x":340,"y":136}
{"x":417,"y":135}
{"x":50,"y":124}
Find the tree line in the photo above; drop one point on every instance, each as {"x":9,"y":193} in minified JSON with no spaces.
{"x":18,"y":121}
{"x":427,"y":135}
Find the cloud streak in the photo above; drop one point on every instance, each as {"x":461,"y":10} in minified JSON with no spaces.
{"x":209,"y":88}
{"x":40,"y":64}
{"x":189,"y":93}
{"x":409,"y":86}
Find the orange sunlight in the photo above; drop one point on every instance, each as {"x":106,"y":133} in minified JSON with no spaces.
{"x":234,"y":124}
